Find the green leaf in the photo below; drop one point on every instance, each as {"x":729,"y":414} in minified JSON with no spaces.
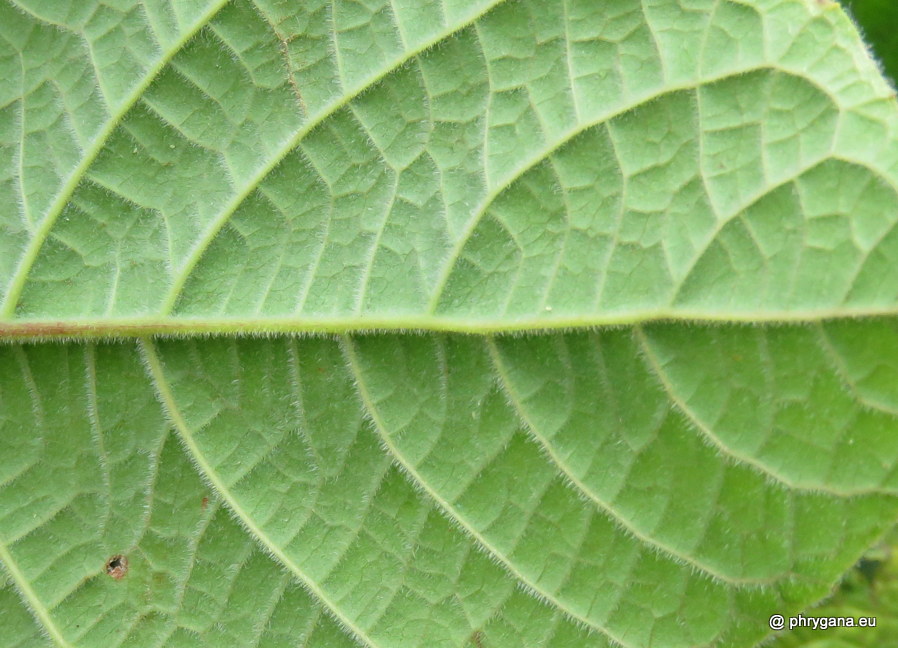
{"x":458,"y":165}
{"x":719,"y":179}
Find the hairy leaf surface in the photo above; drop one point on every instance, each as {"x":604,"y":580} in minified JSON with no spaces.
{"x":717,"y":178}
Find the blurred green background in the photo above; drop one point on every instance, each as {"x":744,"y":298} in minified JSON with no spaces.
{"x":878,"y":22}
{"x":871,"y":587}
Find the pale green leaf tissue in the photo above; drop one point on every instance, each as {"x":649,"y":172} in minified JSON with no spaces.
{"x":597,"y":303}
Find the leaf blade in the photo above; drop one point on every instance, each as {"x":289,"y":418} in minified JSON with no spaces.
{"x":328,"y":257}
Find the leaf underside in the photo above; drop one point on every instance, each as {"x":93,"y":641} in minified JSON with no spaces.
{"x":398,"y":175}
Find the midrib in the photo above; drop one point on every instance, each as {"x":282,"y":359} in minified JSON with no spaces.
{"x":73,"y":329}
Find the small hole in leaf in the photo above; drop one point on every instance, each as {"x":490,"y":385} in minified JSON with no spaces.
{"x":117,"y":567}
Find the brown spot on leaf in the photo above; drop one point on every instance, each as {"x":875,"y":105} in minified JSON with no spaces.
{"x":117,"y":567}
{"x":477,"y":639}
{"x":205,"y":503}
